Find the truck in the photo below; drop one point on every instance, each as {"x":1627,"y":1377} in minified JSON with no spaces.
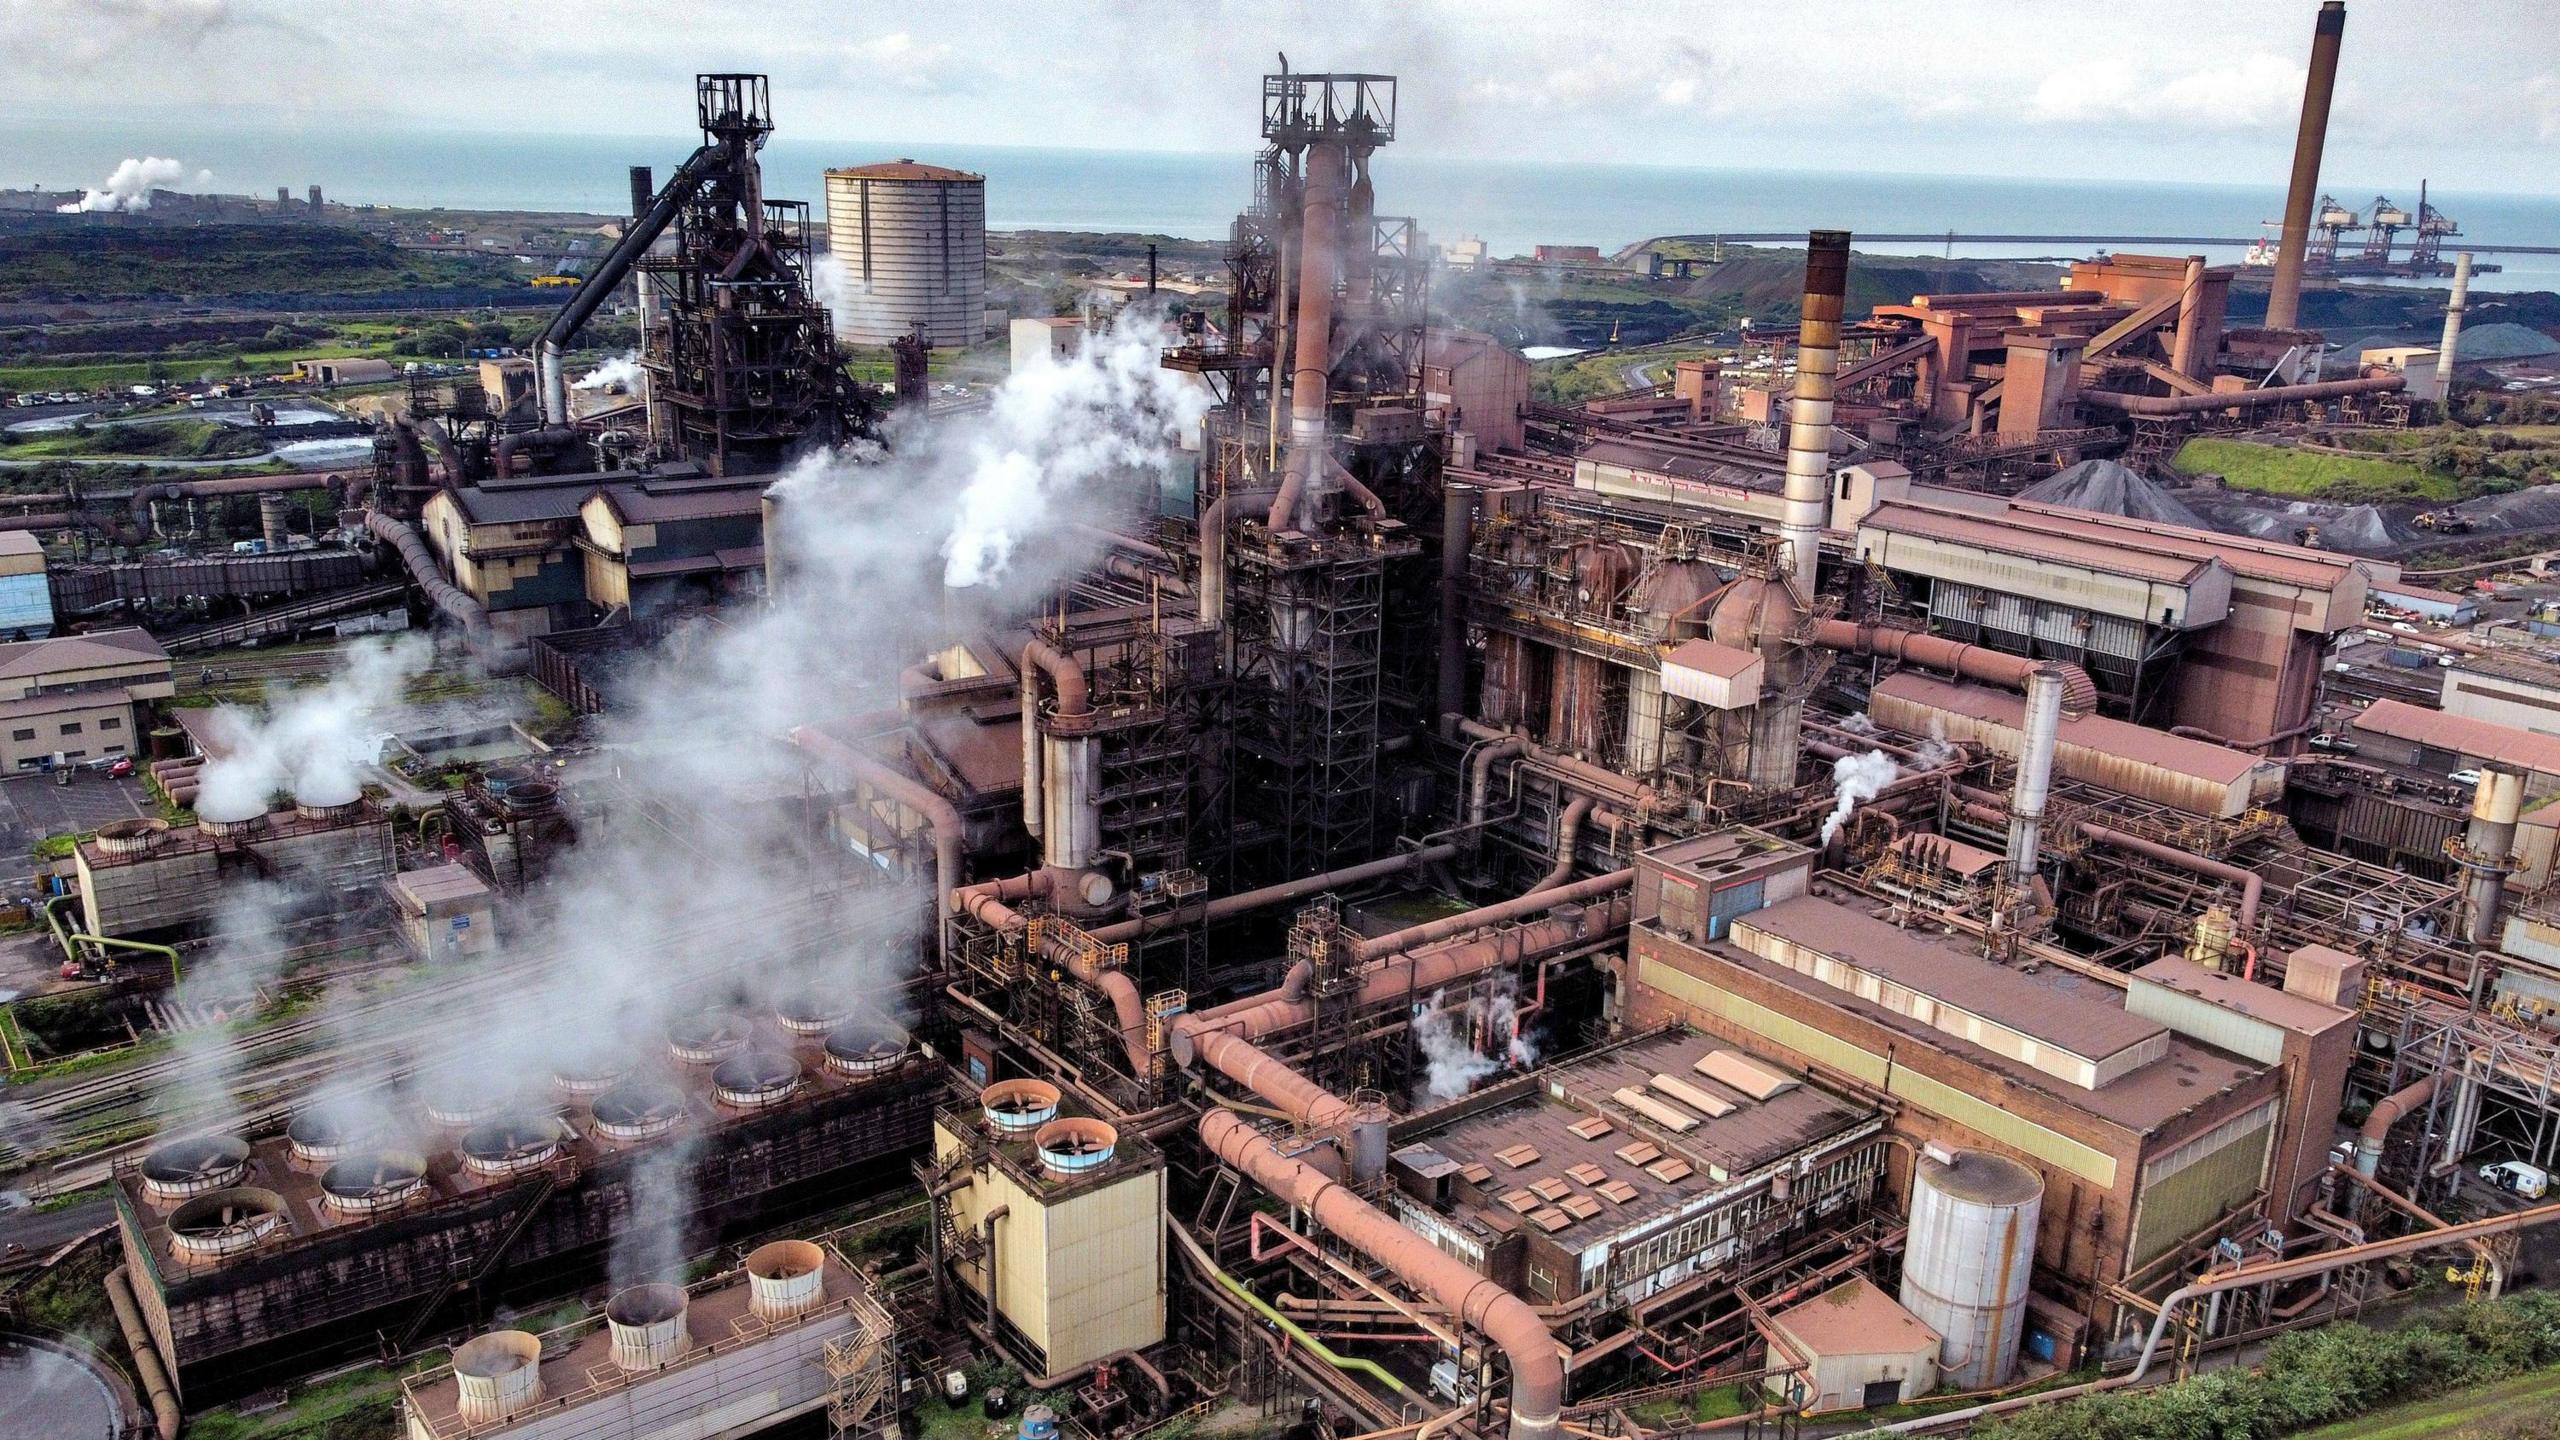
{"x":2516,"y":1178}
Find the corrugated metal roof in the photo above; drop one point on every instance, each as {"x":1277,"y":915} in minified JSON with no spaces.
{"x":2053,"y":1006}
{"x":2258,"y":559}
{"x":2462,"y":735}
{"x":25,"y":658}
{"x":2297,"y":1013}
{"x":2008,"y":537}
{"x":1708,"y":657}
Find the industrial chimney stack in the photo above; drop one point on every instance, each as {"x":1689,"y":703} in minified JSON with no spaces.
{"x":1808,"y":493}
{"x":2452,"y":341}
{"x":2284,"y":298}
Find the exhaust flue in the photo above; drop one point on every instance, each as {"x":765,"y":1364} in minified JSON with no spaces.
{"x":2284,"y":297}
{"x":2446,"y":347}
{"x":2035,"y":775}
{"x":1808,"y":494}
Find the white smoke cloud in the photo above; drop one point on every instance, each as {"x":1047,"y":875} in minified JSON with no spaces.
{"x":700,"y":880}
{"x":620,"y":372}
{"x":1856,"y":779}
{"x":311,"y":744}
{"x":1937,"y":750}
{"x":1463,"y":1044}
{"x":831,"y":282}
{"x":128,"y":187}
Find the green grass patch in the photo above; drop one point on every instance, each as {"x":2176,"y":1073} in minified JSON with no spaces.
{"x":2487,"y":1411}
{"x":359,"y":1405}
{"x":175,"y":440}
{"x":2351,"y":479}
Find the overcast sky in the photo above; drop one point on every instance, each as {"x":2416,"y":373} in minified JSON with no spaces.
{"x":2467,"y":95}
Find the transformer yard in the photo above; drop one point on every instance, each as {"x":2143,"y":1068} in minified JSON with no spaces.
{"x":1380,"y":908}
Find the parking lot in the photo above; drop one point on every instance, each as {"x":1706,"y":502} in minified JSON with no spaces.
{"x":34,"y":806}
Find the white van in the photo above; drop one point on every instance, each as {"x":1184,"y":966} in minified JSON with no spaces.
{"x":2516,"y":1178}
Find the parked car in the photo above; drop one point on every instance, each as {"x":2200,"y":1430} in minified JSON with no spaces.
{"x":2516,"y":1178}
{"x":122,"y":767}
{"x":2464,"y":777}
{"x":2334,"y":743}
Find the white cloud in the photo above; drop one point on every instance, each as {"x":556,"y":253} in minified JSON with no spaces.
{"x":2251,"y":92}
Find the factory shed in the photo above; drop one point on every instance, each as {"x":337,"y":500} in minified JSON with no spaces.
{"x":1635,"y":470}
{"x":2509,"y":690}
{"x":2197,"y":776}
{"x":1858,"y":1350}
{"x":2407,"y":734}
{"x":1475,"y":383}
{"x":446,"y":912}
{"x":2428,"y":602}
{"x":656,"y":545}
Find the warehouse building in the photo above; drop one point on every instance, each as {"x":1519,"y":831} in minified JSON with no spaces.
{"x":75,"y":697}
{"x":2143,"y":1133}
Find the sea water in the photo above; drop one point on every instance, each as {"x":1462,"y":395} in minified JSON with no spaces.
{"x":1511,"y":205}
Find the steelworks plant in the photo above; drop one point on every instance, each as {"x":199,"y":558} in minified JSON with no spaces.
{"x":1463,"y":912}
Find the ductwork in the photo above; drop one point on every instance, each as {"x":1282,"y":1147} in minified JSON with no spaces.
{"x":1537,"y":1364}
{"x":2284,"y":295}
{"x":991,"y":903}
{"x":607,"y":277}
{"x":1229,"y":906}
{"x":502,"y":458}
{"x":448,"y":454}
{"x":2158,"y":405}
{"x":1480,"y":780}
{"x":939,"y":813}
{"x":470,"y":614}
{"x":2385,"y":1114}
{"x":1808,"y":490}
{"x":1213,"y":551}
{"x":1060,"y":762}
{"x":1398,"y":964}
{"x":1973,"y":662}
{"x":2488,"y":852}
{"x":1568,"y":834}
{"x":1457,"y":531}
{"x":2035,"y":775}
{"x":1311,"y":363}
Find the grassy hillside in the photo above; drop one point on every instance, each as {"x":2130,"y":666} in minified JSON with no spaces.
{"x":114,"y":262}
{"x":2353,"y":479}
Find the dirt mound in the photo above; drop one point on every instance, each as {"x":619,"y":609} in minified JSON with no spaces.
{"x":2104,"y":487}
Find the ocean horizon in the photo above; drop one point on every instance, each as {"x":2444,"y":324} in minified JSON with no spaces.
{"x":1512,"y":206}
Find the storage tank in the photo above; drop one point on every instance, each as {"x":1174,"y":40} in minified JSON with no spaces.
{"x":1973,"y":1243}
{"x":910,"y":244}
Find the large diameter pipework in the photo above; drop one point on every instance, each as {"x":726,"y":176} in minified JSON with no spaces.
{"x":2242,"y":399}
{"x":2488,"y":847}
{"x":470,"y":614}
{"x":2389,"y":1112}
{"x":1059,"y":762}
{"x":1936,"y":652}
{"x":1457,"y":536}
{"x":1311,"y":365}
{"x":940,"y":814}
{"x":2452,"y":328}
{"x":1227,"y":907}
{"x":1808,"y":492}
{"x":617,"y":262}
{"x":2284,"y":296}
{"x":1537,"y":1365}
{"x":2035,"y":774}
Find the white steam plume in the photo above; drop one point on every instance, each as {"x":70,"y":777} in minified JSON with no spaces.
{"x":622,"y":371}
{"x":311,"y":744}
{"x":706,"y":861}
{"x":1935,"y":751}
{"x":1856,"y":779}
{"x":1448,"y":1035}
{"x":129,"y":185}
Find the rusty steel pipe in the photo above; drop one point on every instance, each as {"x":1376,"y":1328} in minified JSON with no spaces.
{"x":940,"y":814}
{"x":1229,"y":906}
{"x":2284,"y":294}
{"x":1537,"y":1362}
{"x":1568,"y":833}
{"x":1311,"y":362}
{"x":1972,"y":662}
{"x":2156,"y":405}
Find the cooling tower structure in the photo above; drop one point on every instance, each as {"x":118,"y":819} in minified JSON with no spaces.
{"x":910,"y":245}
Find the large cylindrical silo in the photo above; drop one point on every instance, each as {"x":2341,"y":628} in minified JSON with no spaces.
{"x":910,"y":242}
{"x":1973,"y":1243}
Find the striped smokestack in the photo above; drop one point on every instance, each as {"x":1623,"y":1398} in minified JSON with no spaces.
{"x":1807,"y":514}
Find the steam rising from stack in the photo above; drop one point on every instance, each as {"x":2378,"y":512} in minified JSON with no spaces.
{"x":1855,"y":780}
{"x":311,"y":744}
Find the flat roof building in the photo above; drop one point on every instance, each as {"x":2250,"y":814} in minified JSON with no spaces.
{"x":75,"y":696}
